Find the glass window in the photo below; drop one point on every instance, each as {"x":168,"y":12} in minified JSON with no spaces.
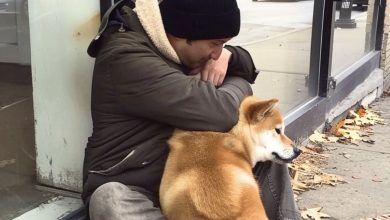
{"x":352,"y":33}
{"x":17,"y":148}
{"x":278,"y":35}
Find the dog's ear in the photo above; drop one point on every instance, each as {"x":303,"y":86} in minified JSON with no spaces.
{"x":257,"y":111}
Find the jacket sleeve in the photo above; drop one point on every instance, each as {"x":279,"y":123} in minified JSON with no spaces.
{"x":241,"y":64}
{"x":146,"y":86}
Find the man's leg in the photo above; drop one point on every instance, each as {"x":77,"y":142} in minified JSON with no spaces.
{"x":114,"y":201}
{"x":276,"y":191}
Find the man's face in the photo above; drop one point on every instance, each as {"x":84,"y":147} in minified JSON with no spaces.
{"x":194,"y":54}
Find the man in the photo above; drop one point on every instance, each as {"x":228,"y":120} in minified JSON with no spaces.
{"x":159,"y":67}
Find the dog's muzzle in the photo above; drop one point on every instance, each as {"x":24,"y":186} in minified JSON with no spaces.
{"x":297,"y":151}
{"x":287,"y":156}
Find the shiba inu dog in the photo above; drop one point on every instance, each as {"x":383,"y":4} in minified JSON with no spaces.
{"x":208,"y":175}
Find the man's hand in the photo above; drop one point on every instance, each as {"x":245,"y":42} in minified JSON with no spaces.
{"x":215,"y":70}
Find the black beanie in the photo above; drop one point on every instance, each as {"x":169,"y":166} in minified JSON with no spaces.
{"x":201,"y":19}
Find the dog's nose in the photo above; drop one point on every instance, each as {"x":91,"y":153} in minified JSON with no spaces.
{"x":296,"y":150}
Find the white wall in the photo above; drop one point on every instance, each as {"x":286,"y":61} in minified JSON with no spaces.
{"x":61,"y":70}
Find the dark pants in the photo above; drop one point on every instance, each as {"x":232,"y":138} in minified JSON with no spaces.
{"x":276,"y":191}
{"x":117,"y":201}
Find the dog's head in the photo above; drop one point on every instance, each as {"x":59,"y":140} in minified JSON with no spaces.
{"x":263,"y":126}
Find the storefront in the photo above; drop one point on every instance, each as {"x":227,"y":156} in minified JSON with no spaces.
{"x":318,"y":61}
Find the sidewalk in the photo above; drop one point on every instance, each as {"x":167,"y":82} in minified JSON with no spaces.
{"x":367,"y":171}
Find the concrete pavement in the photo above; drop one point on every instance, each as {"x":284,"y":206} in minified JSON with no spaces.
{"x":367,"y":171}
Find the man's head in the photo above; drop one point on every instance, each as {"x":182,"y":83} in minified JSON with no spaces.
{"x":198,"y":29}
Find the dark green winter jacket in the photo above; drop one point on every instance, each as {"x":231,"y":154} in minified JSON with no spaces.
{"x":139,"y":97}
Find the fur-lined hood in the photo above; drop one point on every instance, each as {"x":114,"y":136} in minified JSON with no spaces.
{"x":149,"y":15}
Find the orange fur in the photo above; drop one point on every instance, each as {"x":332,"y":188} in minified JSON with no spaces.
{"x":208,"y":175}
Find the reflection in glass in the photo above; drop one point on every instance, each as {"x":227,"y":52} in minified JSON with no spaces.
{"x":17,"y":148}
{"x":278,"y":36}
{"x":352,"y":34}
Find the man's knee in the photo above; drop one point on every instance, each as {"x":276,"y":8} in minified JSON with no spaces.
{"x":104,"y":200}
{"x":117,"y":201}
{"x":109,"y":191}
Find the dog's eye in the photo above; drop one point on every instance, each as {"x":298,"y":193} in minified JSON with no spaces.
{"x":278,"y":130}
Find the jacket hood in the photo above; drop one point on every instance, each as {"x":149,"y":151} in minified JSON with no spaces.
{"x":149,"y":14}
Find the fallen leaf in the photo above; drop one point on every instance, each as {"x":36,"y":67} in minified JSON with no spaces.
{"x":385,"y":216}
{"x":364,"y":117}
{"x":350,"y":134}
{"x":361,"y":111}
{"x":334,"y":129}
{"x":346,"y":155}
{"x":296,"y":185}
{"x":317,"y":179}
{"x":376,"y":179}
{"x":318,"y":137}
{"x":349,"y":121}
{"x":306,"y":171}
{"x":314,"y":213}
{"x":299,"y":186}
{"x":352,"y":127}
{"x":367,"y":140}
{"x":382,"y":217}
{"x":315,"y":149}
{"x":355,"y":142}
{"x":343,"y":141}
{"x":332,"y":179}
{"x":332,"y":139}
{"x":352,"y":114}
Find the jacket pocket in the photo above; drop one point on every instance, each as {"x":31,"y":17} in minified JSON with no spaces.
{"x":116,"y":168}
{"x":139,"y":157}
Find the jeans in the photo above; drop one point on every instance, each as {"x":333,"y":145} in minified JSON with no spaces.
{"x":116,"y":201}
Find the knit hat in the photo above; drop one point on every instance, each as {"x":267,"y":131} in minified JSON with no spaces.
{"x":201,"y":19}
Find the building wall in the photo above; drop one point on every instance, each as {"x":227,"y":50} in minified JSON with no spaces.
{"x":60,"y":32}
{"x":385,"y":60}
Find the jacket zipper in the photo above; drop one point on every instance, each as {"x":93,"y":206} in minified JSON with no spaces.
{"x":105,"y":172}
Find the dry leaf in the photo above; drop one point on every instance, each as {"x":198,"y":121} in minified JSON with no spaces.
{"x":296,"y":185}
{"x":317,"y":137}
{"x":306,"y":170}
{"x":317,"y":179}
{"x":365,"y":117}
{"x":349,"y":121}
{"x":361,"y":111}
{"x":299,"y":186}
{"x":352,"y":127}
{"x":355,"y":142}
{"x":314,"y":149}
{"x":332,"y":179}
{"x":376,"y":179}
{"x":350,"y":134}
{"x":346,"y":155}
{"x":352,"y":114}
{"x":367,"y":140}
{"x":382,"y":217}
{"x":332,"y":139}
{"x":334,"y":129}
{"x":314,"y":213}
{"x":386,"y":216}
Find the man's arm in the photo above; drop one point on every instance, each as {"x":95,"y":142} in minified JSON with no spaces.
{"x":233,"y":61}
{"x":241,"y":64}
{"x":145,"y":86}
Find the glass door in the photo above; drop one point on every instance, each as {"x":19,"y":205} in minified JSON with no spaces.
{"x":278,"y":36}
